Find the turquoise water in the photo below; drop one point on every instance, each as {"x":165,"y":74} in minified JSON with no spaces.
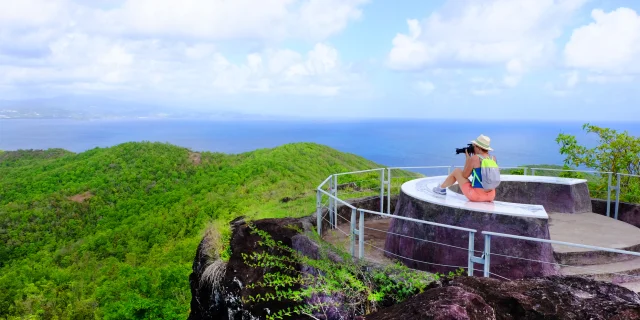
{"x":392,"y":143}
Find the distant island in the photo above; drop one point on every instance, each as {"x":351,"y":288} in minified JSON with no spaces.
{"x":95,"y":107}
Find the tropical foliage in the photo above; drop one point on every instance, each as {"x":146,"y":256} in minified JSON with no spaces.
{"x":351,"y":288}
{"x":112,"y":232}
{"x":616,"y":152}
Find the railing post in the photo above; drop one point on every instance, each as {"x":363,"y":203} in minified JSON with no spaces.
{"x":332,"y":203}
{"x":388,"y":190}
{"x":617,"y":195}
{"x":609,"y":196}
{"x":319,"y":212}
{"x":335,"y":205}
{"x":525,"y":171}
{"x":533,"y":171}
{"x":352,"y":234}
{"x":471,"y":250}
{"x":382,"y":190}
{"x":487,"y":254}
{"x":361,"y":236}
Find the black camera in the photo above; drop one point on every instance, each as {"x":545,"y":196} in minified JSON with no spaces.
{"x":469,"y":149}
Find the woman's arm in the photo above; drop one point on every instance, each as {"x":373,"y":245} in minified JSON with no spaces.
{"x":468,"y":165}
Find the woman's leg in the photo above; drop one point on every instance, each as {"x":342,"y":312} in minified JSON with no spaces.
{"x":456,"y":175}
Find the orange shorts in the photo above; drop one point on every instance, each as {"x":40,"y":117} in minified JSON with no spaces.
{"x":477,"y":194}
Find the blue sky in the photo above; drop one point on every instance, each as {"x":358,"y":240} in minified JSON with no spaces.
{"x":468,"y":59}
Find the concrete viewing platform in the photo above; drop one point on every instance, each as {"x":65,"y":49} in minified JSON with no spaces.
{"x":531,"y":206}
{"x":421,"y":189}
{"x":560,"y":209}
{"x":417,"y":200}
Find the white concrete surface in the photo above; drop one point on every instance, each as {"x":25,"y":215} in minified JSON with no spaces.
{"x":422,"y":189}
{"x":542,"y":179}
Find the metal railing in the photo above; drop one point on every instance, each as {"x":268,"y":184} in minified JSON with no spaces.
{"x":357,"y":226}
{"x":487,"y":252}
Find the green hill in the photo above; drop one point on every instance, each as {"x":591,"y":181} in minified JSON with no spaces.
{"x":112,"y":232}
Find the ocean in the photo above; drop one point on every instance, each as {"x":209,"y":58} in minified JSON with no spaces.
{"x":388,"y":142}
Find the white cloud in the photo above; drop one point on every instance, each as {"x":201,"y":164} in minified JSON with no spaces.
{"x":610,"y":44}
{"x":485,"y":92}
{"x":173,"y":47}
{"x":32,"y":13}
{"x":564,"y":85}
{"x":513,"y":34}
{"x":80,"y":62}
{"x":572,"y":79}
{"x":600,"y":78}
{"x":425,"y":87}
{"x":482,"y":86}
{"x":265,"y":20}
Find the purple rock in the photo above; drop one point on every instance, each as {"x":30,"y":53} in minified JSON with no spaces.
{"x":449,"y":247}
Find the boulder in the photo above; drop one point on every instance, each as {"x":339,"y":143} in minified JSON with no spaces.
{"x":447,"y":247}
{"x":225,"y":296}
{"x":554,"y":297}
{"x":219,"y":289}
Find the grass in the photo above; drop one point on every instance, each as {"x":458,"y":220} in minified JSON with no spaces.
{"x":126,"y":252}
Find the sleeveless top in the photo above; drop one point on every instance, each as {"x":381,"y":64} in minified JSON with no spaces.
{"x":476,"y":175}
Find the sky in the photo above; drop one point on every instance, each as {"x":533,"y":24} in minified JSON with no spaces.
{"x":335,"y":59}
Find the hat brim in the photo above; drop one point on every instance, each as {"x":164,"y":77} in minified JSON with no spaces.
{"x":481,"y":146}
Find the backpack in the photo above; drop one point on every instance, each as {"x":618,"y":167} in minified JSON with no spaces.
{"x":489,"y":172}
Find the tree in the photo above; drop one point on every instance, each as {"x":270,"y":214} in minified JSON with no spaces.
{"x":617,"y":152}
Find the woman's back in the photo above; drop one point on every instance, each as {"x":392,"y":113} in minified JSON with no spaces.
{"x":476,"y":172}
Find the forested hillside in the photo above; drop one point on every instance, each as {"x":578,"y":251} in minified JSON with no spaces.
{"x":111,"y":232}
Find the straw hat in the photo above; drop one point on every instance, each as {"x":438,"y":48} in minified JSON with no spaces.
{"x":483,"y":142}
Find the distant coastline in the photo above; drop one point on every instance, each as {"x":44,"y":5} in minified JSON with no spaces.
{"x":392,"y":142}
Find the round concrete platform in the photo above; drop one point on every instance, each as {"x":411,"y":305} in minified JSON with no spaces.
{"x":591,"y":229}
{"x":584,"y":228}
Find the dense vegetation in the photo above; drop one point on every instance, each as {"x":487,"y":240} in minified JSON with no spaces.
{"x":352,"y":287}
{"x":616,"y":152}
{"x":112,"y":232}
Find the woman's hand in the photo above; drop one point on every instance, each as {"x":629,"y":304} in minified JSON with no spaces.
{"x":468,"y":167}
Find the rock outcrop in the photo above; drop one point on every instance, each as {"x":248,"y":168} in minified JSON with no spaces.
{"x":225,"y":296}
{"x":440,"y":251}
{"x":552,"y":297}
{"x":219,"y":289}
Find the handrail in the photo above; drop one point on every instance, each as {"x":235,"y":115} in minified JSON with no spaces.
{"x":354,"y":172}
{"x":571,"y":170}
{"x":585,"y":246}
{"x":336,"y":199}
{"x":499,"y":167}
{"x":485,"y":259}
{"x":423,"y":167}
{"x":419,"y":221}
{"x":629,"y":175}
{"x":323,"y":182}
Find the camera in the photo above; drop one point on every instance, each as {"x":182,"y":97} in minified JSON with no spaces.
{"x":469,"y":149}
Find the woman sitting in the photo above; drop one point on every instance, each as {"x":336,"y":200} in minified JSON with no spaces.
{"x":473,"y":190}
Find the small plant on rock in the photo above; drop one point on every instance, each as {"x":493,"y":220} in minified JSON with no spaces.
{"x":331,"y":283}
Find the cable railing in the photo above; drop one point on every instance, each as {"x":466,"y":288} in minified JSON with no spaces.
{"x":354,"y":217}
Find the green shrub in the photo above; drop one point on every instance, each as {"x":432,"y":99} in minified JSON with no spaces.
{"x":363,"y":290}
{"x":617,"y":152}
